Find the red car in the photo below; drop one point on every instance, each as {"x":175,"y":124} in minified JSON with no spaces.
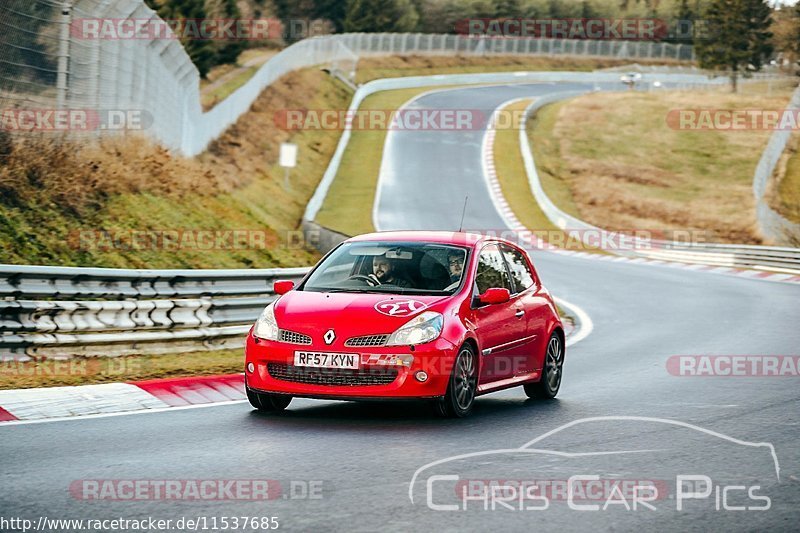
{"x":440,"y":316}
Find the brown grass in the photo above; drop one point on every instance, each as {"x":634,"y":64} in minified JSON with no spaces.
{"x":78,"y":177}
{"x":88,"y":370}
{"x":612,"y":160}
{"x":51,"y":187}
{"x":78,"y":174}
{"x":784,"y":193}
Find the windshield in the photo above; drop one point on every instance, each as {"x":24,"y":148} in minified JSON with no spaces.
{"x":391,"y":267}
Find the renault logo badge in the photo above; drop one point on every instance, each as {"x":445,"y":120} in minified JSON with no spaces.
{"x":329,"y":337}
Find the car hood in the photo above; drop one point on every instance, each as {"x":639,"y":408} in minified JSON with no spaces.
{"x":350,"y":314}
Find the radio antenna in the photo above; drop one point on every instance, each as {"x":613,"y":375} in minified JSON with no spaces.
{"x":463,"y":212}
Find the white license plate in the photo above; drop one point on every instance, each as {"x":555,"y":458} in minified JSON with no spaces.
{"x":326,"y":359}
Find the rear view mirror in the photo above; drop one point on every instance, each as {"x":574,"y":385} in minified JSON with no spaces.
{"x":495,"y":295}
{"x":282,"y":286}
{"x":399,"y":254}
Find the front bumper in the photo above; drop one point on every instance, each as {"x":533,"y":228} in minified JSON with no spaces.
{"x":275,"y":371}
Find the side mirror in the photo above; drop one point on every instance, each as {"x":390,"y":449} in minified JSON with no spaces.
{"x":495,"y":295}
{"x":282,"y":286}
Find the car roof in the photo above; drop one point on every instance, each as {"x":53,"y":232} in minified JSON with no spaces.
{"x":457,"y":238}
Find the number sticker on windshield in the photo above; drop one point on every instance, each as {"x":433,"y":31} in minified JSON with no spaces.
{"x":399,"y":307}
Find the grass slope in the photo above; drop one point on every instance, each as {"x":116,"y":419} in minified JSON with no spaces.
{"x":785,"y":194}
{"x":612,"y":160}
{"x":51,"y":190}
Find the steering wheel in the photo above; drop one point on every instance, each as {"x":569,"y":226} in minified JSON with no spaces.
{"x":371,"y":281}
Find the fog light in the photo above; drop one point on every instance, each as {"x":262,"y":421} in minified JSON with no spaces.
{"x":421,"y":376}
{"x":251,"y":367}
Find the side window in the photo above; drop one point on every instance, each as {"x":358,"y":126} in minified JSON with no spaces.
{"x":523,"y":278}
{"x":491,"y":270}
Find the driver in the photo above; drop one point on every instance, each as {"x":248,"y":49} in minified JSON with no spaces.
{"x":384,"y":271}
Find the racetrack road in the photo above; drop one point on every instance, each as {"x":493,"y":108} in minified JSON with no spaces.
{"x":366,"y":455}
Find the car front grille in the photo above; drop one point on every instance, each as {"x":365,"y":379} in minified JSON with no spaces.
{"x":367,"y":340}
{"x":292,"y":337}
{"x":332,"y":376}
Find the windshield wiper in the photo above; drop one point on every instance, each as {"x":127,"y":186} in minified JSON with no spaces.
{"x":379,"y":290}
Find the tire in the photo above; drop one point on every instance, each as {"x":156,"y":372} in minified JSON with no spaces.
{"x":547,"y":387}
{"x":268,"y":403}
{"x":460,"y":396}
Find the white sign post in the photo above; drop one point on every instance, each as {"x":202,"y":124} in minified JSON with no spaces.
{"x":288,"y":160}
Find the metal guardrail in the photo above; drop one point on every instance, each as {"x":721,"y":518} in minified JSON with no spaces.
{"x":62,"y":311}
{"x":770,"y":258}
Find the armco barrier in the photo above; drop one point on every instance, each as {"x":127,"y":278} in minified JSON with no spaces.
{"x":62,"y":311}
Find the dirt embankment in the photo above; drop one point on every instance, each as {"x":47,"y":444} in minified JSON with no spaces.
{"x":53,"y":189}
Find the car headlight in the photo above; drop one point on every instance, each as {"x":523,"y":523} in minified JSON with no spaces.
{"x":420,"y":329}
{"x":266,"y":326}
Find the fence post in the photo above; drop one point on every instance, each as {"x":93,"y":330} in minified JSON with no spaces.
{"x":63,"y":54}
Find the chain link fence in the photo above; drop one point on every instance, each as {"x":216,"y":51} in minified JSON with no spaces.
{"x":446,"y":44}
{"x":49,"y":62}
{"x":31,"y":45}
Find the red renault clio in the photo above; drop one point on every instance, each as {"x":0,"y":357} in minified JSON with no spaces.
{"x":408,"y":315}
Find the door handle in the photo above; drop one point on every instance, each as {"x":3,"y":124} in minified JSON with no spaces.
{"x":519,"y":313}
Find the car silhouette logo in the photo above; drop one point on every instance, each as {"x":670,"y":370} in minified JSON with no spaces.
{"x":329,"y":336}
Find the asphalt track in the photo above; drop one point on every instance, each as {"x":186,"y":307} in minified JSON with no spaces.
{"x":365,"y":455}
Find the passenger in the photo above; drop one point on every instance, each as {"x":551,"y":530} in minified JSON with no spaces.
{"x":455,"y":267}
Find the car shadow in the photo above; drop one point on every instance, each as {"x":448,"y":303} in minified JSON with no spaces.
{"x":415,"y":415}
